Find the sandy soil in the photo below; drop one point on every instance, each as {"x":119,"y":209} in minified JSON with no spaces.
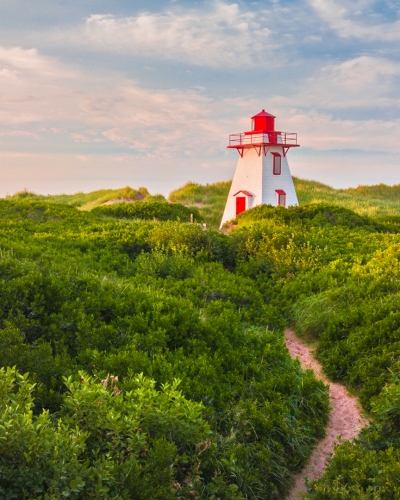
{"x":118,"y":200}
{"x":345,"y":417}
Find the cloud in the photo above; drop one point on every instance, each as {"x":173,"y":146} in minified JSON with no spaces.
{"x":321,"y":131}
{"x":342,"y":16}
{"x":165,"y":137}
{"x":31,"y":85}
{"x":362,"y":82}
{"x":16,"y":59}
{"x":350,"y":105}
{"x":39,"y":102}
{"x":216,"y":34}
{"x":189,"y":123}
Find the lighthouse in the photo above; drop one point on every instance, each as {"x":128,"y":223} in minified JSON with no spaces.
{"x":262,"y":174}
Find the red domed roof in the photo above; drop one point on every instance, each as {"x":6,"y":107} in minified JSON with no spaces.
{"x":263,"y":122}
{"x":263,"y":113}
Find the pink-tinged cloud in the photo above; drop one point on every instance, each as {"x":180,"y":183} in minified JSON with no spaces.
{"x":173,"y":135}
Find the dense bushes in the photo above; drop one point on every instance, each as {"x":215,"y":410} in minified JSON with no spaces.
{"x":159,"y":301}
{"x":309,"y":216}
{"x":107,"y":443}
{"x":148,"y":211}
{"x":357,"y":473}
{"x":369,"y":467}
{"x":154,"y":302}
{"x":357,"y":321}
{"x":335,"y":277}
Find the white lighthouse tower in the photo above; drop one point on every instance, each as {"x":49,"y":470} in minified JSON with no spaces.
{"x":262,"y":174}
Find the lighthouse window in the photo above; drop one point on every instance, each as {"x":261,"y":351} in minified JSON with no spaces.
{"x":276,"y":164}
{"x":281,"y":197}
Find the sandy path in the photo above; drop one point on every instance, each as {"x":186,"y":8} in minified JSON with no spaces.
{"x":345,"y":418}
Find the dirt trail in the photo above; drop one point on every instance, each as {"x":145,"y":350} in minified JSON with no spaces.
{"x":345,"y":418}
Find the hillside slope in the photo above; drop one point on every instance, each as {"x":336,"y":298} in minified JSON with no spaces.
{"x":103,"y":312}
{"x":87,"y":201}
{"x":374,"y":201}
{"x":209,"y":199}
{"x":106,"y":317}
{"x":380,"y":201}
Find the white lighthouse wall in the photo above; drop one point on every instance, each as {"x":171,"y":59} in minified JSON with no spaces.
{"x":273,"y":182}
{"x":254,"y":173}
{"x":248,"y":177}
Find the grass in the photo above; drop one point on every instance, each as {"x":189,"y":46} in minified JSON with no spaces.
{"x":209,"y":199}
{"x":87,"y":201}
{"x":379,"y":202}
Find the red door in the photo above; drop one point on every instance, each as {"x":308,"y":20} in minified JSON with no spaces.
{"x":240,"y":204}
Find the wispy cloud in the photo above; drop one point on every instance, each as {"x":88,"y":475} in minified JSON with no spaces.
{"x":39,"y":102}
{"x":361,"y":82}
{"x":336,"y":107}
{"x":213,"y":34}
{"x":357,"y":19}
{"x":16,"y":59}
{"x":321,"y":131}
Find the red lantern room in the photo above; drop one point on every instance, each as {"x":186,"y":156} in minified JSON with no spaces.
{"x":263,"y":122}
{"x":262,"y":136}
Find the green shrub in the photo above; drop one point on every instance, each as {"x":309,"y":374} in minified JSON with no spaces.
{"x":106,"y":443}
{"x":148,"y":210}
{"x":356,"y":473}
{"x":209,"y":199}
{"x":166,"y":299}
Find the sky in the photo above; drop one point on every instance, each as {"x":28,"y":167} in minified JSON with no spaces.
{"x":104,"y":94}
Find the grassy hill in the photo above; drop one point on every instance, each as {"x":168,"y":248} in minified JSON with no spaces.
{"x":373,"y":201}
{"x":209,"y":199}
{"x":105,"y":314}
{"x":87,"y":201}
{"x":379,"y":201}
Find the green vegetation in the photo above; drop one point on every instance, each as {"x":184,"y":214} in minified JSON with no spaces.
{"x":149,"y":210}
{"x":380,"y":201}
{"x":377,"y":201}
{"x":87,"y":201}
{"x":209,"y":199}
{"x":106,"y":315}
{"x":335,"y":277}
{"x":155,"y":351}
{"x":107,"y":443}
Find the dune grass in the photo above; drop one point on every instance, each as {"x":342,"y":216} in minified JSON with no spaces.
{"x":379,"y":201}
{"x":209,"y":199}
{"x":87,"y":201}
